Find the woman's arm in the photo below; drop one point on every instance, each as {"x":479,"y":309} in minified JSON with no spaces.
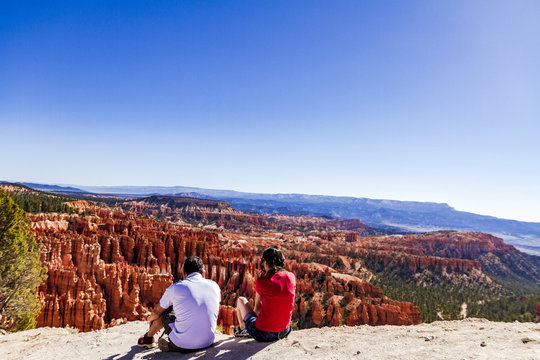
{"x":257,"y":307}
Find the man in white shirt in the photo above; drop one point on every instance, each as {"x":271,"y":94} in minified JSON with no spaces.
{"x":188,"y":312}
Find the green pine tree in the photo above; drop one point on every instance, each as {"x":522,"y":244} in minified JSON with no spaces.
{"x":21,"y":271}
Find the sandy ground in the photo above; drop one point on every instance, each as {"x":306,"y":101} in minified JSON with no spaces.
{"x":465,"y":339}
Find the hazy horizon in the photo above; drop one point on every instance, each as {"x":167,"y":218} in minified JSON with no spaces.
{"x":83,"y":186}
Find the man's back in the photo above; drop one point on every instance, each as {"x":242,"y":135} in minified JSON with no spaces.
{"x":195,"y":302}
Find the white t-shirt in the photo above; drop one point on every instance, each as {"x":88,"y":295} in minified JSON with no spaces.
{"x":195,"y":301}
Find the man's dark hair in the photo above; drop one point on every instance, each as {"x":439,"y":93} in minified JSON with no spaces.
{"x":274,"y":258}
{"x":193,"y":264}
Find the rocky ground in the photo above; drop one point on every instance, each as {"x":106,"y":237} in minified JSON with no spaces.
{"x":465,"y":339}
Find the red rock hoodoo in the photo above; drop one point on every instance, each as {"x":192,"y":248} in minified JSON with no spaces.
{"x":113,"y":266}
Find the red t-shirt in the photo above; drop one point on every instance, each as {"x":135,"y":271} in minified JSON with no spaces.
{"x":277,"y":301}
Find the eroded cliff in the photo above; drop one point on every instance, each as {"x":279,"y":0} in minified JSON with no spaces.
{"x":113,"y":266}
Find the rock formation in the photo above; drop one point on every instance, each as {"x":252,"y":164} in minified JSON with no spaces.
{"x":112,"y":266}
{"x":107,"y":266}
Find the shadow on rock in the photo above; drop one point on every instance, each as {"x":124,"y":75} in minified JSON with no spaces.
{"x":128,"y":356}
{"x":230,"y":348}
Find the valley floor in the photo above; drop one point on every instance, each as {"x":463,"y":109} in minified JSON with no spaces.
{"x":464,"y":339}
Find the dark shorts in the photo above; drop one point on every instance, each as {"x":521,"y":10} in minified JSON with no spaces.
{"x":167,"y":319}
{"x":259,"y":335}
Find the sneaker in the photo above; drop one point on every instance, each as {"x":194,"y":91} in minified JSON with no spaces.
{"x":239,"y":332}
{"x":164,"y":345}
{"x":146,"y":342}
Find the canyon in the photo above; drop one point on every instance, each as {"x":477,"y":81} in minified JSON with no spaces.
{"x":110,"y":262}
{"x":112,"y":266}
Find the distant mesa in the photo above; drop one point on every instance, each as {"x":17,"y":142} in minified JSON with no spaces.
{"x":390,"y":215}
{"x":53,"y":188}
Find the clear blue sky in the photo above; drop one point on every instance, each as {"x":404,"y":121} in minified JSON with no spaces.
{"x":408,"y":100}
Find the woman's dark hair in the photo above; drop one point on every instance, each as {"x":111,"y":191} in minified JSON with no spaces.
{"x":274,"y":258}
{"x":193,"y":264}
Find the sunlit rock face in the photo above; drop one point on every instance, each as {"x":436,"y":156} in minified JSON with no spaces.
{"x":111,"y":266}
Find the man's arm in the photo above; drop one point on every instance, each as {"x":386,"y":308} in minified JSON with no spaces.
{"x":257,"y":307}
{"x":156,"y":313}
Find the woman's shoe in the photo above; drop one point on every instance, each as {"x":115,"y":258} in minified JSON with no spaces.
{"x":239,"y":332}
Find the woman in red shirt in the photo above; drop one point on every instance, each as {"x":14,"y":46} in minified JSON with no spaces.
{"x":270,"y":319}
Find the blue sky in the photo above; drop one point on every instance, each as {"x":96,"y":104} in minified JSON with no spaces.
{"x":420,"y":100}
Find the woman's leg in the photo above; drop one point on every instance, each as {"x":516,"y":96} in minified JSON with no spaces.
{"x":242,"y":309}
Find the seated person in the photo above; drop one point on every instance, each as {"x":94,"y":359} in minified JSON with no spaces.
{"x":188,"y":311}
{"x":270,"y":319}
